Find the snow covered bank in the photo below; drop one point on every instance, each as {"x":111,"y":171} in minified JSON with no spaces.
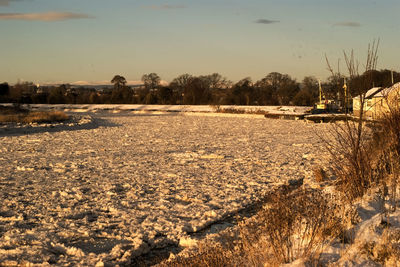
{"x":73,"y":123}
{"x":139,"y":182}
{"x":284,"y":110}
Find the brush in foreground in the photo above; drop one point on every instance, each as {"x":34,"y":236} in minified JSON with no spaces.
{"x":35,"y":117}
{"x":292,"y":225}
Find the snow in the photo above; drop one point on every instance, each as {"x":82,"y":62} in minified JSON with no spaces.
{"x":370,"y":229}
{"x":136,"y":182}
{"x":117,"y":108}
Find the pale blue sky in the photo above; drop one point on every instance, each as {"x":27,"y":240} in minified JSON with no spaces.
{"x":48,"y":41}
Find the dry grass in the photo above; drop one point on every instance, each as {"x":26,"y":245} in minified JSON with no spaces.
{"x":240,"y":111}
{"x":208,"y":256}
{"x":351,"y":148}
{"x":386,"y":251}
{"x":351,"y":155}
{"x":33,"y":116}
{"x":386,"y":145}
{"x":292,"y":225}
{"x":320,"y":174}
{"x":366,"y":158}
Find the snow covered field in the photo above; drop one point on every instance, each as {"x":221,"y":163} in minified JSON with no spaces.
{"x":283,"y":110}
{"x":136,"y":182}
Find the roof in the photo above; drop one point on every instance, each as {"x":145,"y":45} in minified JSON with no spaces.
{"x":386,"y":91}
{"x":371,"y":92}
{"x":380,"y":91}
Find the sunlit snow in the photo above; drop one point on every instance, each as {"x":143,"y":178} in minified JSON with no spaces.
{"x":136,"y":182}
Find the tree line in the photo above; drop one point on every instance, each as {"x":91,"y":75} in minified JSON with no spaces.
{"x":274,"y":89}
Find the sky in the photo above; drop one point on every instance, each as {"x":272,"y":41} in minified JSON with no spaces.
{"x":90,"y":41}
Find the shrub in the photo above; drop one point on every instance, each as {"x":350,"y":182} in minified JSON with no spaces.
{"x":240,"y":111}
{"x":208,"y":256}
{"x":386,"y":145}
{"x":34,"y":117}
{"x":293,"y":225}
{"x":351,"y":147}
{"x":352,"y":158}
{"x":364,"y":157}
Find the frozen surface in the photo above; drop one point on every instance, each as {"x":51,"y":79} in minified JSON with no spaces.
{"x":138,"y":182}
{"x":291,"y":110}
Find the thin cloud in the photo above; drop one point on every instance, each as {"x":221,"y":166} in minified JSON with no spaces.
{"x":160,"y":7}
{"x":48,"y":16}
{"x":347,"y":24}
{"x":266,"y":21}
